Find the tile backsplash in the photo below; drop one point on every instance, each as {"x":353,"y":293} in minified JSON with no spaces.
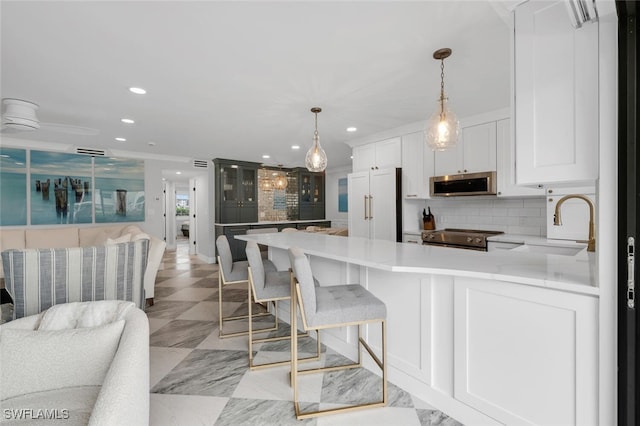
{"x":525,"y":216}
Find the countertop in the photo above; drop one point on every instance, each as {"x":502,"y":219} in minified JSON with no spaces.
{"x":273,"y":222}
{"x":570,"y":273}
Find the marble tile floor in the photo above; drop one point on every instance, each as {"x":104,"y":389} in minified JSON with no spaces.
{"x":199,"y":379}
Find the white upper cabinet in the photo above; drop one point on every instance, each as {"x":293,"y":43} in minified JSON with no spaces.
{"x":476,"y":152}
{"x":506,"y":166}
{"x":378,"y":155}
{"x":417,"y":166}
{"x":556,"y":95}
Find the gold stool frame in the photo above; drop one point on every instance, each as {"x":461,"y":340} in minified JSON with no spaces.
{"x":221,"y":283}
{"x":295,"y":289}
{"x":252,"y":295}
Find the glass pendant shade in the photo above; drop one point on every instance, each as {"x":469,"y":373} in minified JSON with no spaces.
{"x":280,"y":181}
{"x":316,"y":158}
{"x":266,"y":184}
{"x":443,"y":128}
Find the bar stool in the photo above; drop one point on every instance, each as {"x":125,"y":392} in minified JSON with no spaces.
{"x":330,"y":307}
{"x":263,"y":249}
{"x":230,"y":272}
{"x":265,"y":287}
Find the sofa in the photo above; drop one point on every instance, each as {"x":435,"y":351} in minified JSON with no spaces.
{"x":76,"y":364}
{"x":74,"y":236}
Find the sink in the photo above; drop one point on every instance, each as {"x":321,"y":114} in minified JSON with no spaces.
{"x":550,"y":249}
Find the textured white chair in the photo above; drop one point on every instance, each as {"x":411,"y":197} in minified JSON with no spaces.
{"x":230,"y":272}
{"x":263,"y":249}
{"x":330,"y":307}
{"x":265,"y":287}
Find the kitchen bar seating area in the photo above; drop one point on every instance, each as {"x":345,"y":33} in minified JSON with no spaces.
{"x":197,"y":378}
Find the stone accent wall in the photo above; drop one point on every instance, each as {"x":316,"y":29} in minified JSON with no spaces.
{"x":268,"y":209}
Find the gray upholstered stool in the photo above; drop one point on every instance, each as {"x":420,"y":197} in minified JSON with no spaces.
{"x":263,"y":249}
{"x":329,"y":307}
{"x":230,"y":272}
{"x":265,"y":287}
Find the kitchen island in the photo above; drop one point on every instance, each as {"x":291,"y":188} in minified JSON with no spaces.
{"x":487,"y":337}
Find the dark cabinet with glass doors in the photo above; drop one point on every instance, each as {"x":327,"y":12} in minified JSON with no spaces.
{"x":311,"y":194}
{"x":236,"y":185}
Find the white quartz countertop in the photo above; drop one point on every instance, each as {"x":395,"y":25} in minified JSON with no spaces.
{"x":570,"y":273}
{"x":273,"y":222}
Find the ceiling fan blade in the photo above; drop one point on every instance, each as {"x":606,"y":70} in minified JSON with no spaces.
{"x":72,"y":130}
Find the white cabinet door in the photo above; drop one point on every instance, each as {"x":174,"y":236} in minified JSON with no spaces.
{"x":388,"y":153}
{"x":382,"y":203}
{"x":506,"y":165}
{"x":448,"y":162}
{"x":378,"y":155}
{"x":364,"y":157}
{"x":526,"y":355}
{"x":417,"y":166}
{"x":556,"y":95}
{"x":475,"y":152}
{"x":479,"y":148}
{"x":358,"y":195}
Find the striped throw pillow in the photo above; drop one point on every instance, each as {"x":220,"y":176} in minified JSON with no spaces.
{"x":39,"y":278}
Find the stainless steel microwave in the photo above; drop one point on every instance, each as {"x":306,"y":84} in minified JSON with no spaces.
{"x":483,"y":183}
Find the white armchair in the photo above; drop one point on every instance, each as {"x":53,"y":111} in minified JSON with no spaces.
{"x":85,"y":363}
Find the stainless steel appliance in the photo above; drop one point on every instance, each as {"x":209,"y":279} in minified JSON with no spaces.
{"x":470,"y":239}
{"x":465,"y":184}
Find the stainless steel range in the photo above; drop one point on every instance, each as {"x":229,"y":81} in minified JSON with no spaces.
{"x":470,"y":239}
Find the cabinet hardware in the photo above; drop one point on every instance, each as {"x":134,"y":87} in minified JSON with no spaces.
{"x":631,"y":285}
{"x":550,"y":191}
{"x":412,"y":195}
{"x":365,"y":207}
{"x":551,"y":200}
{"x":370,"y":206}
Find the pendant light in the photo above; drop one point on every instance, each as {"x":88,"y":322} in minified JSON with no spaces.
{"x":443,"y":128}
{"x":265,"y":183}
{"x":280,"y":180}
{"x":316,"y":159}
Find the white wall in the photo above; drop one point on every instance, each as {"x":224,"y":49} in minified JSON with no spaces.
{"x":204,"y":233}
{"x":338,"y":219}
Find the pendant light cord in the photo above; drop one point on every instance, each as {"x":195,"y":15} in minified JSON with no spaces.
{"x":442,"y":89}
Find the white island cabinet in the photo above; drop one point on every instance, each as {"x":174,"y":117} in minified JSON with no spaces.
{"x":489,"y":338}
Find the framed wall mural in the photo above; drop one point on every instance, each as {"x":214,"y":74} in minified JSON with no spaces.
{"x":60,"y":188}
{"x":13,"y":187}
{"x":119,"y":190}
{"x":343,"y":195}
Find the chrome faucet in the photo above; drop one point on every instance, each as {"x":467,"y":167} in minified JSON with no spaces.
{"x":557,"y":219}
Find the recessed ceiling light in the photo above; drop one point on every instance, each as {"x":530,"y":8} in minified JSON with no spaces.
{"x":265,"y":156}
{"x":121,"y":139}
{"x":351,"y":129}
{"x":351,"y":157}
{"x":137,"y":90}
{"x":295,"y":146}
{"x":178,"y":173}
{"x":127,"y":120}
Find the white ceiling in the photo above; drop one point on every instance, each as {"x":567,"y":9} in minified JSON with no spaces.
{"x":237,"y":79}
